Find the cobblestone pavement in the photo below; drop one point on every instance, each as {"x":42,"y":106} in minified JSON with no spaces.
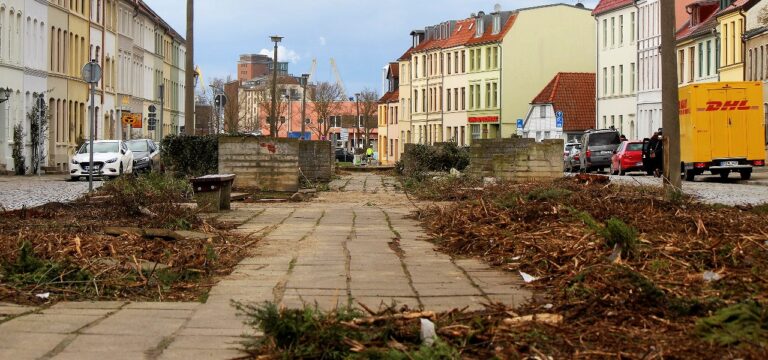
{"x":30,"y":191}
{"x":350,"y":245}
{"x":709,"y":189}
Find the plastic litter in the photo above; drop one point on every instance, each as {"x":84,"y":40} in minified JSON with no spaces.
{"x":428,"y":333}
{"x":43,"y":295}
{"x":710,"y":276}
{"x":528,"y":278}
{"x":548,"y":306}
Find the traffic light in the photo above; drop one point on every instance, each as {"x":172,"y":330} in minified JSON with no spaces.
{"x":152,"y":118}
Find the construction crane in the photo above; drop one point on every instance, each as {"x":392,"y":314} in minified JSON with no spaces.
{"x":312,"y":71}
{"x":201,"y":82}
{"x":339,"y":82}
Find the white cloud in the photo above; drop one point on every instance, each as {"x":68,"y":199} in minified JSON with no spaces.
{"x":283,"y":54}
{"x":323,"y":41}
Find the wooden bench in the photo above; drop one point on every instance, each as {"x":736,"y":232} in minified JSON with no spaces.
{"x":212,"y":192}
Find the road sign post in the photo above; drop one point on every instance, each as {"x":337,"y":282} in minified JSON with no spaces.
{"x":91,"y":74}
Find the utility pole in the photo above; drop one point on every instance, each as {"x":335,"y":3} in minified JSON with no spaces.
{"x":304,"y":81}
{"x":670,"y":99}
{"x":189,"y":72}
{"x":273,"y":111}
{"x":162,"y":110}
{"x":357,"y":120}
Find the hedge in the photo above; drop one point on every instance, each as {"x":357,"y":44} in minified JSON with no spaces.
{"x":191,"y":155}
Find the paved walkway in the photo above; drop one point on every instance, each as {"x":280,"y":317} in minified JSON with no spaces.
{"x":354,"y":244}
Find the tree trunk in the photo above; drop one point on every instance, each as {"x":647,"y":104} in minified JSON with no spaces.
{"x":189,"y":80}
{"x":670,"y":99}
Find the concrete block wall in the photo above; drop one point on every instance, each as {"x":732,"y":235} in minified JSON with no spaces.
{"x":316,"y":160}
{"x":516,"y":159}
{"x":259,"y":162}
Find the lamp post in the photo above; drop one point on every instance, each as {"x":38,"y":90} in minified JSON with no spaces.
{"x":273,"y":111}
{"x":304,"y":80}
{"x":40,"y":140}
{"x":91,"y":75}
{"x":357,"y":120}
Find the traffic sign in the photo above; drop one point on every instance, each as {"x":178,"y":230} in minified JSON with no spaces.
{"x":132,"y":120}
{"x":152,"y":108}
{"x":344,"y":134}
{"x":220,"y":100}
{"x":559,"y":119}
{"x":519,"y":123}
{"x":91,"y":72}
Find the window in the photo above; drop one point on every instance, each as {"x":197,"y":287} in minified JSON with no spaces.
{"x":681,"y":66}
{"x":621,"y":30}
{"x":605,"y":33}
{"x":632,"y":27}
{"x":487,"y":95}
{"x":477,"y":95}
{"x":471,"y":96}
{"x":463,"y":61}
{"x":701,"y":59}
{"x":542,"y":111}
{"x":456,"y":98}
{"x":605,"y":81}
{"x":495,"y":95}
{"x":463,"y":98}
{"x":476,"y":133}
{"x":709,"y":57}
{"x":621,"y":79}
{"x":613,"y":31}
{"x":449,"y":63}
{"x":632,"y":77}
{"x":456,"y":62}
{"x":691,"y":59}
{"x":415,"y":66}
{"x":471,"y":60}
{"x":448,"y":97}
{"x":488,"y":63}
{"x":613,"y":80}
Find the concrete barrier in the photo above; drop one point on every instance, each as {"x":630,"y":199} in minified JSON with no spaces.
{"x":516,"y":159}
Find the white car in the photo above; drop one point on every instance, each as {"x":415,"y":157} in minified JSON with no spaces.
{"x":111,"y":158}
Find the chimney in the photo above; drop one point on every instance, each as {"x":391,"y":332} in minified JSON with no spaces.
{"x":480,"y":24}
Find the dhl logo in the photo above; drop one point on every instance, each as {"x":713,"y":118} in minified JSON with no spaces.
{"x":728,"y":105}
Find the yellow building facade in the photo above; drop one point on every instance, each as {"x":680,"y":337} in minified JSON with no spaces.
{"x":731,"y":30}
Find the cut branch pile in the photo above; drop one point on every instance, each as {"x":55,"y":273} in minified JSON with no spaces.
{"x":630,"y":272}
{"x":94,"y":249}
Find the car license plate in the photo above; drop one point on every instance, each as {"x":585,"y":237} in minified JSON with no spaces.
{"x":607,"y":152}
{"x":95,"y":168}
{"x":640,"y":164}
{"x":729,"y":163}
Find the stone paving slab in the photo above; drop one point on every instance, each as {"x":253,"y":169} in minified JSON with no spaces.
{"x":335,"y":251}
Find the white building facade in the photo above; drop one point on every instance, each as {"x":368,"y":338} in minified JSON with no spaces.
{"x":649,"y":68}
{"x":617,"y":56}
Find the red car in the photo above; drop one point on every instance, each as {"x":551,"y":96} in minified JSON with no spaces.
{"x":628,"y":157}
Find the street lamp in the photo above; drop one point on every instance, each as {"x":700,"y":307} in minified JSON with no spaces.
{"x":5,"y":94}
{"x":304,"y":80}
{"x":357,"y":122}
{"x":273,"y":113}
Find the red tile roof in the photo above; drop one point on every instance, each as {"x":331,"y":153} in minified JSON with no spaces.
{"x":394,"y":70}
{"x":739,"y":4}
{"x":708,"y":20}
{"x":608,"y":5}
{"x":462,"y":33}
{"x":406,"y":56}
{"x":574,"y":95}
{"x":488,"y":35}
{"x":390,"y":97}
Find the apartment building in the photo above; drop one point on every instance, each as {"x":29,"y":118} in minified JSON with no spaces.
{"x":698,"y":46}
{"x":45,"y":44}
{"x":616,"y":81}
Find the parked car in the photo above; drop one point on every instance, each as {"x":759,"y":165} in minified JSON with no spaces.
{"x":342,"y":155}
{"x":111,"y":158}
{"x":573,"y":160}
{"x":628,"y":157}
{"x":567,"y":149}
{"x":597,"y":147}
{"x":146,"y":155}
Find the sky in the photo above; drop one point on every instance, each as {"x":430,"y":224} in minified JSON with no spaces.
{"x":361,"y":35}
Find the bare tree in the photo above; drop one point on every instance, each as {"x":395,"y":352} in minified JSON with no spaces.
{"x":233,"y":112}
{"x":215,"y":123}
{"x":325,"y":102}
{"x":369,"y":103}
{"x":263,"y":97}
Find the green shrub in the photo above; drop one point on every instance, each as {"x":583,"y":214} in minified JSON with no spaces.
{"x":618,"y":232}
{"x":28,"y":269}
{"x":191,"y":155}
{"x":439,"y":157}
{"x":134,"y":193}
{"x":548,"y":194}
{"x":17,"y":150}
{"x":741,"y":323}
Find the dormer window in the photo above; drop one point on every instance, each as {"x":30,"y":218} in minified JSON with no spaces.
{"x":479,"y":27}
{"x":496,"y":24}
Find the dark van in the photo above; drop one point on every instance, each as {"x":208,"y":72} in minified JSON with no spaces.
{"x":597,"y":147}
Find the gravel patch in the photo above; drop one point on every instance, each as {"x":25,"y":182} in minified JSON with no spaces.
{"x":31,"y":191}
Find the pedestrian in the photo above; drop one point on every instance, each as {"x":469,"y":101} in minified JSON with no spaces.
{"x":623,"y":138}
{"x":369,"y":154}
{"x":657,"y":153}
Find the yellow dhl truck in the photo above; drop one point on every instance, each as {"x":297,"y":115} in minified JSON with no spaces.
{"x":722,"y":129}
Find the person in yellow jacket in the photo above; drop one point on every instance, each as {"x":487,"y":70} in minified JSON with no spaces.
{"x":369,"y":154}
